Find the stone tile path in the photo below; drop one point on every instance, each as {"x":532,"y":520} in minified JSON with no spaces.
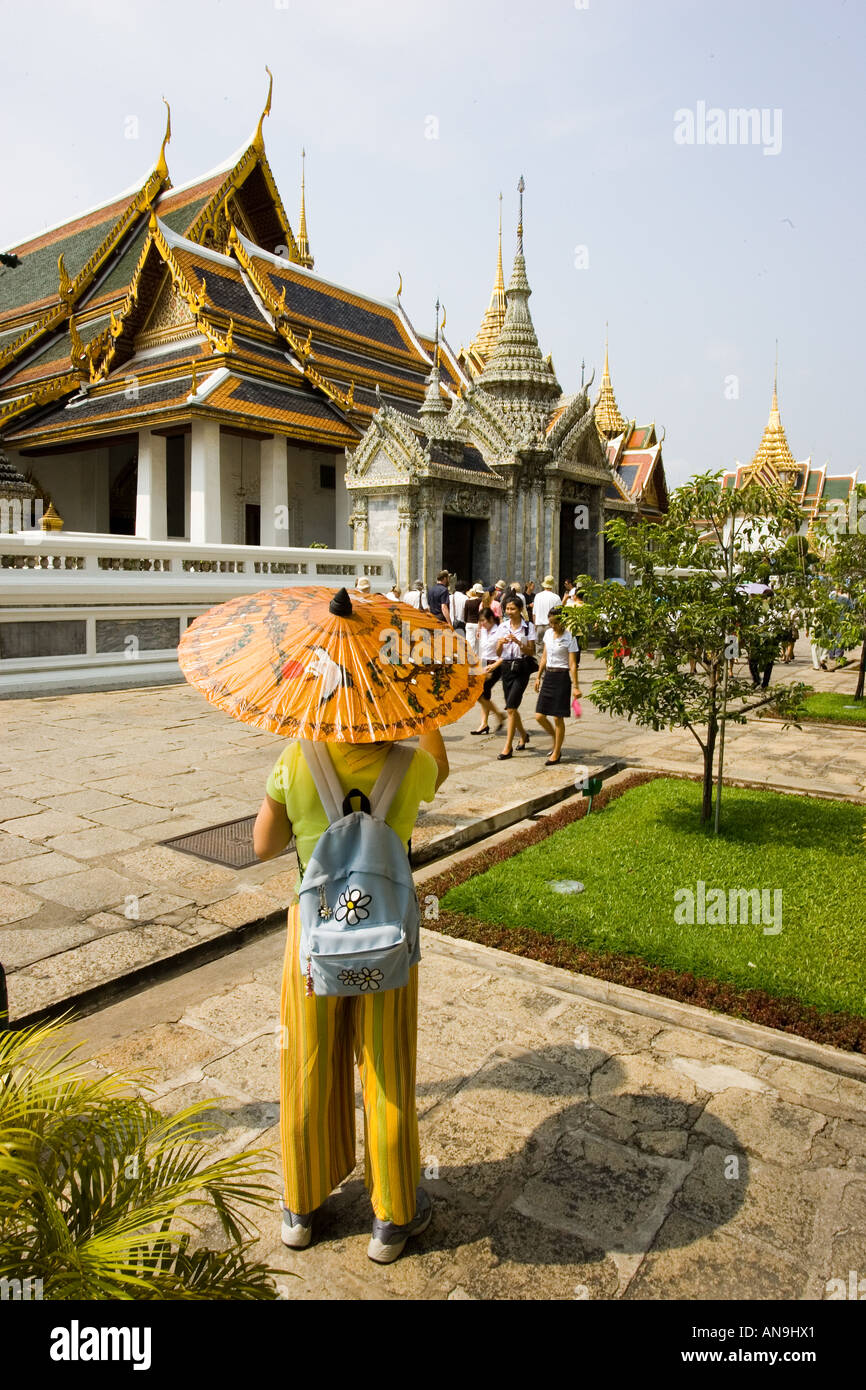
{"x":573,"y":1150}
{"x":90,"y":783}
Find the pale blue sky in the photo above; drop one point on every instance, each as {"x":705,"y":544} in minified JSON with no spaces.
{"x":700,"y":256}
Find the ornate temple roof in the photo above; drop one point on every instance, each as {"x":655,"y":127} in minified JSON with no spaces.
{"x":774,"y":465}
{"x":608,"y":416}
{"x":773,"y":457}
{"x":165,"y":281}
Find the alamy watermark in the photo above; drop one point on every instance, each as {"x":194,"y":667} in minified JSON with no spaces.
{"x":712,"y":125}
{"x":717,"y":907}
{"x":21,"y":514}
{"x":407,"y":646}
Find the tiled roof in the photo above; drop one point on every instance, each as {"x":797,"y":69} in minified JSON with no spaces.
{"x":227,"y":292}
{"x":836,"y":488}
{"x":325,"y":354}
{"x":316,"y":303}
{"x":114,"y":405}
{"x":301,"y":409}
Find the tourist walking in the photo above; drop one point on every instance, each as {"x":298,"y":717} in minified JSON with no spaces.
{"x":558,"y":682}
{"x":544,"y":602}
{"x":765,"y":646}
{"x":417,"y":596}
{"x":439,"y":598}
{"x":530,"y":596}
{"x":472,"y":613}
{"x":515,"y":645}
{"x":394,"y":593}
{"x":496,"y":599}
{"x":488,"y":627}
{"x":458,"y":604}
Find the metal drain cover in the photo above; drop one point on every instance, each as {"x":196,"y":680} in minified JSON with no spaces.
{"x":230,"y":843}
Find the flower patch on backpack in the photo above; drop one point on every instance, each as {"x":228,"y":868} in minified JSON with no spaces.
{"x":352,"y":907}
{"x":366,"y":978}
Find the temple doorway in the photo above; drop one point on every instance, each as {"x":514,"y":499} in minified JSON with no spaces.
{"x":465,"y":547}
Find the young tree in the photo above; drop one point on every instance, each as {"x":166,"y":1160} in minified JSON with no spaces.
{"x":689,"y":602}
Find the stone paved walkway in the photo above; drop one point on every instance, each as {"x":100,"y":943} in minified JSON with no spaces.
{"x":573,"y":1150}
{"x":90,"y":783}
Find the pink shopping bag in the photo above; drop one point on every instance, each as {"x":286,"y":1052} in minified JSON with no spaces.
{"x":575,"y":707}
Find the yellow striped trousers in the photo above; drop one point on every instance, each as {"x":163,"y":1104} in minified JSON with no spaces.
{"x":321,"y":1038}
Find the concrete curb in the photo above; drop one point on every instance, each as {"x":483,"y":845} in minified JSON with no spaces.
{"x":480,"y":829}
{"x":637,"y":1001}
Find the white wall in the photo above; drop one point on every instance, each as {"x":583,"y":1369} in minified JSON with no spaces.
{"x":78,"y":484}
{"x":313,"y":509}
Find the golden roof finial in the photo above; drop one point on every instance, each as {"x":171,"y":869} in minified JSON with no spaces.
{"x":499,"y":286}
{"x":773,"y":455}
{"x":258,"y":138}
{"x":303,"y":240}
{"x":194,"y":387}
{"x":520,"y":188}
{"x":400,"y":285}
{"x":161,"y":163}
{"x":65,"y":281}
{"x":608,"y":416}
{"x":491,"y":325}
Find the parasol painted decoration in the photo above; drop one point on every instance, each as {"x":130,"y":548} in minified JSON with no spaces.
{"x":335,"y":668}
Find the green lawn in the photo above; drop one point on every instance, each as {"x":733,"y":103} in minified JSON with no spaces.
{"x":834,"y":706}
{"x":634,"y":856}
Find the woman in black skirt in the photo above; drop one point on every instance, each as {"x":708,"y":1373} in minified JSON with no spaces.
{"x":515,"y":645}
{"x":557,"y":680}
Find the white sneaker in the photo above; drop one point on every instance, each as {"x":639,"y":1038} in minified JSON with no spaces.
{"x":388,"y":1241}
{"x":296,"y":1231}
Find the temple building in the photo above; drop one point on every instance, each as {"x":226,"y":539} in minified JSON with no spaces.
{"x":511,"y":475}
{"x":173,"y":367}
{"x":774,"y":466}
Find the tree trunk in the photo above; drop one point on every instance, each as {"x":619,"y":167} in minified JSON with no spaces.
{"x":709,"y":757}
{"x":861,"y":675}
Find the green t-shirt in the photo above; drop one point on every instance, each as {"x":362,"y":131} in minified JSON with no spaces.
{"x":357,"y":765}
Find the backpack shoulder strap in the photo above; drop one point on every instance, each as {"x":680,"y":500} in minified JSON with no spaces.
{"x":324,"y":775}
{"x":396,"y":766}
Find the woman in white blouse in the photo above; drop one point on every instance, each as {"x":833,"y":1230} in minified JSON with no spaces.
{"x":557,"y":680}
{"x":515,"y":645}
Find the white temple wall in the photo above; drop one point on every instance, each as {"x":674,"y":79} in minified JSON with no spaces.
{"x":382,"y":524}
{"x":77,"y":483}
{"x":240,"y":484}
{"x":313,"y":508}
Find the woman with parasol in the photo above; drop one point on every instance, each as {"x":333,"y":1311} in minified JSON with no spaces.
{"x":313,"y":665}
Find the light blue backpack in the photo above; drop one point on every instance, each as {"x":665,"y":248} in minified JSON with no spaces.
{"x":359,"y":910}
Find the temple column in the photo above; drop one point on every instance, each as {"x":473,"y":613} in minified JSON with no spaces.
{"x":205,"y":523}
{"x":599,"y":514}
{"x":552,"y":505}
{"x":151,"y":517}
{"x":274,"y":491}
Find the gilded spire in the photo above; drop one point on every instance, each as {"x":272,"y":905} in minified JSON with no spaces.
{"x":305,"y":255}
{"x":487,"y":336}
{"x":773,"y":455}
{"x":608,"y":417}
{"x":516,"y":373}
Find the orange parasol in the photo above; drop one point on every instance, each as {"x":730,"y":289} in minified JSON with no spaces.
{"x":309,"y":663}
